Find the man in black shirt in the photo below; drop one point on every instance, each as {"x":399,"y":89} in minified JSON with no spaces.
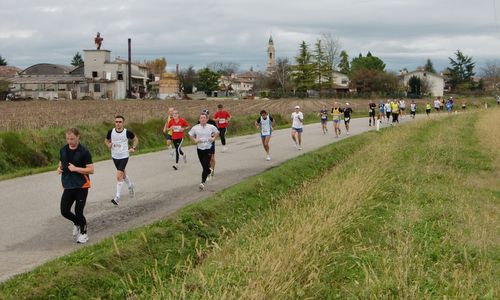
{"x":75,"y":166}
{"x":371,"y":113}
{"x":347,"y":116}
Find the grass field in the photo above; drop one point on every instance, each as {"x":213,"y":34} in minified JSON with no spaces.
{"x":409,"y":212}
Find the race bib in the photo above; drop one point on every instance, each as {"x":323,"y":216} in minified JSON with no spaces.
{"x":117,"y":147}
{"x":176,"y":128}
{"x":222,"y":121}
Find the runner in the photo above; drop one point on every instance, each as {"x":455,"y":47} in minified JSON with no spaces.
{"x":441,"y":105}
{"x":265,"y":124}
{"x":323,"y":114}
{"x":402,"y":107}
{"x":203,"y":135}
{"x":437,"y":104}
{"x":168,"y":133}
{"x":177,"y":126}
{"x":428,"y":109}
{"x":371,"y":113}
{"x":381,"y":111}
{"x":413,"y":109}
{"x":75,"y":166}
{"x":336,"y":115}
{"x":222,"y":118}
{"x":212,"y":157}
{"x":388,"y":110}
{"x":347,"y":117}
{"x":297,"y":129}
{"x":449,"y":105}
{"x":117,"y":141}
{"x":463,"y":105}
{"x":395,"y":111}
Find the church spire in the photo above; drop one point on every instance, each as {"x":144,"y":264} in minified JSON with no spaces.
{"x":271,"y":55}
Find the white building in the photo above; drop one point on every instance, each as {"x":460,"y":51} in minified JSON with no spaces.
{"x":434,"y":82}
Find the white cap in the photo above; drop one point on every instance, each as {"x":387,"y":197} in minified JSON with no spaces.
{"x":347,"y":103}
{"x":296,"y":106}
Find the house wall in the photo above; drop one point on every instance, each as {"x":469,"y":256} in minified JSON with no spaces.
{"x":436,"y":82}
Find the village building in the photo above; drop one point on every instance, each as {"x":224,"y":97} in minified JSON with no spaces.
{"x":434,"y":83}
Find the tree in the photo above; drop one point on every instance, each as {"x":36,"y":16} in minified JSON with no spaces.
{"x":461,"y":71}
{"x":322,"y":67}
{"x":156,"y":66}
{"x":429,"y":67}
{"x":304,"y":70}
{"x":369,"y":62}
{"x":3,"y":62}
{"x":374,"y":82}
{"x":415,"y":84}
{"x":187,"y":79}
{"x":491,"y":74}
{"x":224,"y":68}
{"x":332,"y":49}
{"x":344,"y":66}
{"x":282,"y":73}
{"x":208,"y":80}
{"x":77,"y":60}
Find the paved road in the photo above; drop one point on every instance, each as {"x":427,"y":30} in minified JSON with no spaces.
{"x":32,"y":230}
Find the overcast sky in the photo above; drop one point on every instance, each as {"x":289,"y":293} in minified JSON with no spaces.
{"x":403,"y":33}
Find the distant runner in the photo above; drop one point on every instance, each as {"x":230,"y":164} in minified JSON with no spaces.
{"x":402,"y":107}
{"x":347,"y":117}
{"x":265,"y":123}
{"x":395,"y":111}
{"x":428,"y":108}
{"x":297,"y":129}
{"x":212,"y":149}
{"x":168,"y":133}
{"x":371,"y":113}
{"x":388,"y":110}
{"x":117,"y":141}
{"x":437,"y":104}
{"x":178,"y":126}
{"x":323,"y":115}
{"x":381,"y":111}
{"x":75,"y":166}
{"x":336,"y":115}
{"x":413,"y":109}
{"x":222,"y":118}
{"x":203,"y":135}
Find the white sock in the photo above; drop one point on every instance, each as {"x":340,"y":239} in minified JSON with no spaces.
{"x":127,"y":180}
{"x":119,"y":185}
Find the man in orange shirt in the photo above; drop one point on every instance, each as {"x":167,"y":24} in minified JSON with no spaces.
{"x":177,"y":125}
{"x":222,"y":118}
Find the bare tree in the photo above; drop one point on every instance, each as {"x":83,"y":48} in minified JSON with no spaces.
{"x":282,"y":73}
{"x":491,"y":73}
{"x":332,"y":47}
{"x":223,"y":68}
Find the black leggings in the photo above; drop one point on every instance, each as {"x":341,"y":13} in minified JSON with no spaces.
{"x":79,"y":196}
{"x":178,"y":150}
{"x":395,"y":118}
{"x":222,"y":134}
{"x":204,"y":156}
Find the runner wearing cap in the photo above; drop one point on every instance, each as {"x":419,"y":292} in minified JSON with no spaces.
{"x":212,"y":149}
{"x":323,"y":115}
{"x":297,"y":122}
{"x":347,"y":117}
{"x":336,"y":115}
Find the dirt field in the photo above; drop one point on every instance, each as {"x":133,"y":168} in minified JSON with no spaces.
{"x":49,"y":114}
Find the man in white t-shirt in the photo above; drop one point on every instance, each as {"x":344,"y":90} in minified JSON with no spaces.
{"x":117,"y":141}
{"x":297,"y":123}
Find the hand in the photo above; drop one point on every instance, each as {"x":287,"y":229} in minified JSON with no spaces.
{"x":59,"y":170}
{"x":72,"y":167}
{"x":131,"y":149}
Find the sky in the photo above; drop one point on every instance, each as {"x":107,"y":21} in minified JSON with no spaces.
{"x":403,"y":33}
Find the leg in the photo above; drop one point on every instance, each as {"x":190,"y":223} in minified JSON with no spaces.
{"x":81,"y":199}
{"x":67,"y":200}
{"x":222,"y":134}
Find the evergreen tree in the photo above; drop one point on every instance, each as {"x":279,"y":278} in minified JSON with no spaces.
{"x":208,"y":81}
{"x":322,"y":68}
{"x":77,"y":60}
{"x":304,"y":70}
{"x":3,"y":62}
{"x":461,"y":71}
{"x":429,"y":67}
{"x":369,"y":62}
{"x":344,"y":66}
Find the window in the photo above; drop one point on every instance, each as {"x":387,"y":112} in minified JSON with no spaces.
{"x":84,"y":88}
{"x":119,"y":75}
{"x":97,"y":87}
{"x":94,"y":74}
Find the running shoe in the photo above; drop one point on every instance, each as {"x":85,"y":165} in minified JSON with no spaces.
{"x":172,"y":153}
{"x":201,"y":186}
{"x":184,"y":158}
{"x":268,"y":158}
{"x":175,"y":167}
{"x":300,"y":148}
{"x":212,"y":172}
{"x":131,"y":190}
{"x":224,"y":149}
{"x":76,"y":230}
{"x":115,"y":200}
{"x":82,"y":238}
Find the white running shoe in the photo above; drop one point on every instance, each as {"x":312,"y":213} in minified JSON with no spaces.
{"x":184,"y":158}
{"x":115,"y":200}
{"x":131,"y":190}
{"x":300,"y":148}
{"x":76,"y":230}
{"x":268,"y":158}
{"x":224,"y":149}
{"x":201,"y":186}
{"x":172,"y":153}
{"x":82,"y":238}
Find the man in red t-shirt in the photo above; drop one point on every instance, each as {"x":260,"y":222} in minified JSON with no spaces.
{"x":177,"y":125}
{"x":222,"y":118}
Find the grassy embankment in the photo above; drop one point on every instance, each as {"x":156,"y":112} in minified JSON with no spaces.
{"x":34,"y":151}
{"x":410,"y":212}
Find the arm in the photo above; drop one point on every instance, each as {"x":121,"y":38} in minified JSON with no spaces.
{"x":59,"y":168}
{"x":107,"y":143}
{"x":135,"y":142}
{"x":89,"y":169}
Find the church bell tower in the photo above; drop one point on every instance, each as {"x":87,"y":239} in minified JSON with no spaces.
{"x":271,"y":55}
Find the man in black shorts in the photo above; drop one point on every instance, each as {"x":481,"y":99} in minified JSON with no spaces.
{"x":117,"y":141}
{"x":347,"y":117}
{"x":371,"y":113}
{"x":75,"y":166}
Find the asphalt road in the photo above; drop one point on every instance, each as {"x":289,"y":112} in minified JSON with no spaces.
{"x":32,"y":231}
